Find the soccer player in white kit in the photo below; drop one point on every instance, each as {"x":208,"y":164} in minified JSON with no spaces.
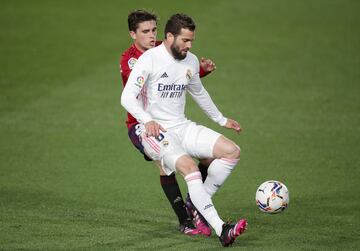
{"x":155,"y":95}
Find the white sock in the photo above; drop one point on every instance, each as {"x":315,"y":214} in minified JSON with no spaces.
{"x":218,"y":172}
{"x":202,"y":201}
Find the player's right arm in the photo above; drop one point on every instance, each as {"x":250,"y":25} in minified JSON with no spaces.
{"x":133,"y":86}
{"x":136,"y":81}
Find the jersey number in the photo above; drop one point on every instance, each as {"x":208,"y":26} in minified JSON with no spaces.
{"x":138,"y":131}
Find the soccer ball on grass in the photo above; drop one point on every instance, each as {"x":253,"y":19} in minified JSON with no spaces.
{"x":272,"y":197}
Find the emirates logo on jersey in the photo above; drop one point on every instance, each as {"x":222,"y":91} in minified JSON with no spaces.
{"x":132,"y":62}
{"x":171,"y":90}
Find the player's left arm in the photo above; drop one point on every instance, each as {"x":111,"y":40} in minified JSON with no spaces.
{"x":207,"y":66}
{"x":203,"y":99}
{"x":124,"y":69}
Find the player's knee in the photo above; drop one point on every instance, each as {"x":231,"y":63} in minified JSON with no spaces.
{"x":231,"y":151}
{"x":234,"y":152}
{"x":186,"y":165}
{"x":225,"y":148}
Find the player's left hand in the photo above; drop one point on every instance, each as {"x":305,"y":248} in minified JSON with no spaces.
{"x":232,"y":124}
{"x":208,"y":65}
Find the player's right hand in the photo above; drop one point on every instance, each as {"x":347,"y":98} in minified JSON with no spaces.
{"x":152,"y":129}
{"x":208,"y":65}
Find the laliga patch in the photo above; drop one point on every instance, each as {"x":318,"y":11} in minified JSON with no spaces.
{"x":140,"y":81}
{"x":132,"y":62}
{"x":188,"y":74}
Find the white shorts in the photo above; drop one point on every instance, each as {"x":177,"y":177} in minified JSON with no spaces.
{"x":191,"y":139}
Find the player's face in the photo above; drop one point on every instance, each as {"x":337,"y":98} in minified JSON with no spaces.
{"x":182,"y":44}
{"x":145,"y":35}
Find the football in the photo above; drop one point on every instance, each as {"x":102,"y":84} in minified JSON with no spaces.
{"x":272,"y":197}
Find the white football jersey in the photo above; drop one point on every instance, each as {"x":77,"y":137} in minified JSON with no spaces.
{"x":162,"y":83}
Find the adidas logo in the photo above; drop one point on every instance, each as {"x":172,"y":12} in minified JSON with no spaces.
{"x":164,"y":75}
{"x":178,"y":199}
{"x":208,"y":206}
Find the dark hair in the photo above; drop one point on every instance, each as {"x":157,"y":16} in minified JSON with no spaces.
{"x":177,"y":22}
{"x":138,"y":16}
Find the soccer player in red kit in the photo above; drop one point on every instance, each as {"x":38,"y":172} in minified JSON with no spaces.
{"x":143,"y":29}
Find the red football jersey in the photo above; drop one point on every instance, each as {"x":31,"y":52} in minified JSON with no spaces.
{"x":127,"y":62}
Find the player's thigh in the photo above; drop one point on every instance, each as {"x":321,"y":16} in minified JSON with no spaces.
{"x":199,"y":141}
{"x":205,"y":162}
{"x":166,"y":149}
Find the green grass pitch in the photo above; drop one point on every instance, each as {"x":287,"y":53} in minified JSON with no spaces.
{"x":288,"y":71}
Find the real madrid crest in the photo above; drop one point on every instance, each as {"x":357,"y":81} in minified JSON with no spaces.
{"x":188,"y":74}
{"x":165,"y":143}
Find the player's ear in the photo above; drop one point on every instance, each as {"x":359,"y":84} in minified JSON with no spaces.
{"x":133,"y":34}
{"x":169,"y":36}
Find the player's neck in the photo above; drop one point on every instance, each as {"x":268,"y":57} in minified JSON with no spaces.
{"x":139,"y":48}
{"x":167,"y":45}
